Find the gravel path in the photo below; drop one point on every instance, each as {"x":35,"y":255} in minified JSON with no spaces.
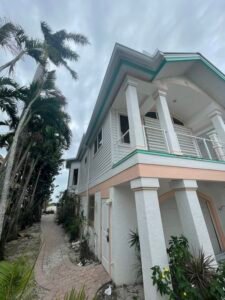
{"x":55,"y":273}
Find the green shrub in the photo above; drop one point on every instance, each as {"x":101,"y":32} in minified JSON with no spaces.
{"x":72,"y":227}
{"x":188,"y":276}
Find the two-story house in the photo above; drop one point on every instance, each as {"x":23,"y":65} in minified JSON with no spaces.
{"x":153,"y":159}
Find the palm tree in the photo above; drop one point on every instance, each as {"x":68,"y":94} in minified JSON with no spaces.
{"x":54,"y":49}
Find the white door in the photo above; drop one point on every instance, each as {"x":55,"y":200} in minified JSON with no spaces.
{"x":105,"y":235}
{"x":210,"y":226}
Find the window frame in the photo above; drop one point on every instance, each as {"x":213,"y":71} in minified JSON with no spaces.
{"x":120,"y":131}
{"x":76,"y":175}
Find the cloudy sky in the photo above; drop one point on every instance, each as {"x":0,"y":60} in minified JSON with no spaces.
{"x":168,"y":25}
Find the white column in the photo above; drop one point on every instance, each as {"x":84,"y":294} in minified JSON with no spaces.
{"x":166,"y":121}
{"x":150,"y":228}
{"x":217,"y":146}
{"x":218,"y":124}
{"x":134,"y":117}
{"x":191,"y":216}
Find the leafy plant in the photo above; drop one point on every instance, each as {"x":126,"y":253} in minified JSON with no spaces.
{"x":14,"y":278}
{"x":135,"y":242}
{"x":189,"y":276}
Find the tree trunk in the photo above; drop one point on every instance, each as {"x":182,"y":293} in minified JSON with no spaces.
{"x":15,"y":219}
{"x":12,"y":152}
{"x":21,"y":160}
{"x":34,"y":189}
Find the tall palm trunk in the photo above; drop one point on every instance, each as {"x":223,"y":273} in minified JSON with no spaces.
{"x":12,"y":152}
{"x":14,"y":221}
{"x":34,"y":189}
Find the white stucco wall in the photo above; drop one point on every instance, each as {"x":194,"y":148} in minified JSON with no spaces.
{"x":124,"y":220}
{"x":97,"y":225}
{"x":170,"y":219}
{"x":217,"y":192}
{"x":170,"y":216}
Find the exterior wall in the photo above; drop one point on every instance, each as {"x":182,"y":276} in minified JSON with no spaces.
{"x":88,"y":230}
{"x":97,"y":225}
{"x":170,"y":219}
{"x":215,"y":219}
{"x":216,"y":192}
{"x":124,"y":220}
{"x":84,"y":172}
{"x":99,"y":163}
{"x":74,"y":165}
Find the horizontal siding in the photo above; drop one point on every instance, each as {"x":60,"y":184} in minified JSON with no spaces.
{"x":156,"y":140}
{"x":188,"y":144}
{"x":120,"y":150}
{"x":154,"y":137}
{"x":101,"y":162}
{"x":83,"y":177}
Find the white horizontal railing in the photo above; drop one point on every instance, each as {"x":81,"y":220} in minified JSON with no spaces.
{"x":204,"y":148}
{"x":156,"y":140}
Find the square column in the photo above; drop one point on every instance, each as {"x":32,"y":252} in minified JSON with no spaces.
{"x":134,"y":117}
{"x":218,"y":136}
{"x":218,"y":123}
{"x":166,"y":121}
{"x":217,"y":146}
{"x":191,"y":216}
{"x":150,"y":228}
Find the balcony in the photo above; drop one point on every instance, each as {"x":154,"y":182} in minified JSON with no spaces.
{"x":157,"y":141}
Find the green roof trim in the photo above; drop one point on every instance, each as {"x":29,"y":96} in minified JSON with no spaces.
{"x":159,"y":153}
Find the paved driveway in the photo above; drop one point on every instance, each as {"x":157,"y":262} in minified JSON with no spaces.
{"x":55,"y":273}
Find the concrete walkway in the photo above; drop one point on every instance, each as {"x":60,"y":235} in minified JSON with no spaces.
{"x":55,"y":273}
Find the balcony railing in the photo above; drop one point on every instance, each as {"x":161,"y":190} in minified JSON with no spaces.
{"x":156,"y":140}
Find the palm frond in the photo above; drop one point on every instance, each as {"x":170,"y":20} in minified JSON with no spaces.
{"x":13,"y":278}
{"x":6,"y":139}
{"x":9,"y":35}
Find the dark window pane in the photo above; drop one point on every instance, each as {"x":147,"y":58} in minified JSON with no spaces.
{"x":152,"y":114}
{"x":75,"y":176}
{"x":124,"y":127}
{"x":95,"y":146}
{"x":178,"y":122}
{"x":99,"y":139}
{"x":91,"y":209}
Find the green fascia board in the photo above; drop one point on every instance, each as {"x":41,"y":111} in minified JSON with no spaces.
{"x":159,"y":153}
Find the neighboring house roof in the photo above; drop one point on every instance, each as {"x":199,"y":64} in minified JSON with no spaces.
{"x":125,"y":61}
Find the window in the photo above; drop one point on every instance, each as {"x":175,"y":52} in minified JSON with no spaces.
{"x":85,"y":160}
{"x":75,"y":176}
{"x":124,"y":129}
{"x":98,"y":142}
{"x":177,"y":122}
{"x":91,"y":210}
{"x":152,"y":114}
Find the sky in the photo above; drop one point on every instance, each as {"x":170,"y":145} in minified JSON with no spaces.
{"x":144,"y":25}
